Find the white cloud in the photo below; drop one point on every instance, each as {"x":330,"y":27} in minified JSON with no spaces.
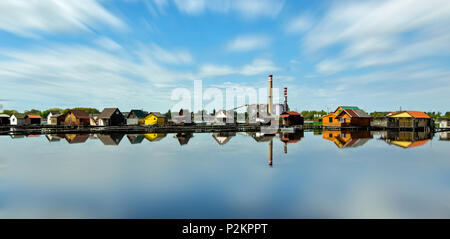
{"x":26,"y":17}
{"x":174,"y":57}
{"x":299,"y":24}
{"x":247,"y":9}
{"x":76,"y":75}
{"x":377,"y":33}
{"x":256,"y":67}
{"x":248,"y":43}
{"x":107,"y":43}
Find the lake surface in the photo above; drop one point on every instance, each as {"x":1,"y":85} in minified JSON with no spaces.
{"x":328,"y":174}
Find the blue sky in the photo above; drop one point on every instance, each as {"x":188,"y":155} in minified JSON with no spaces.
{"x":378,"y":55}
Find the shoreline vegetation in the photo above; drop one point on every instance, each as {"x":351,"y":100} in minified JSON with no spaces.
{"x":307,"y":114}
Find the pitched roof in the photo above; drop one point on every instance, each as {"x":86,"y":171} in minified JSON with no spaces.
{"x":157,"y":114}
{"x":349,"y":107}
{"x":418,"y":114}
{"x":19,"y":115}
{"x":55,"y":112}
{"x":288,"y":113}
{"x":358,"y":113}
{"x":34,"y":116}
{"x":107,"y":113}
{"x":139,"y":113}
{"x":81,"y":114}
{"x":414,"y":114}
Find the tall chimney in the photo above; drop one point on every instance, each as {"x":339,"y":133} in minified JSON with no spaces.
{"x":269,"y":107}
{"x":286,"y":107}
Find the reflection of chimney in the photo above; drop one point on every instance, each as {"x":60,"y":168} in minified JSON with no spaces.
{"x":285,"y":148}
{"x":270,"y":152}
{"x":269,"y":107}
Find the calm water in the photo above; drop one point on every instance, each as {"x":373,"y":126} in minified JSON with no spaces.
{"x":322,"y":175}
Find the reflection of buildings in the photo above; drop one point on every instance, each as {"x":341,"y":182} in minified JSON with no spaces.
{"x":259,"y":137}
{"x":444,"y":136}
{"x":223,"y":137}
{"x":76,"y":138}
{"x":290,"y":138}
{"x":110,"y":139}
{"x":154,"y":137}
{"x":135,"y":138}
{"x":14,"y":136}
{"x":407,"y":139}
{"x":347,"y":139}
{"x":183,"y":138}
{"x":53,"y":137}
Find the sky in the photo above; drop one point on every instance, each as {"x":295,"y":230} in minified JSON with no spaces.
{"x":132,"y":54}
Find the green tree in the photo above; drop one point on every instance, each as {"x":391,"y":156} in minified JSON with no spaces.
{"x":46,"y":112}
{"x":33,"y":112}
{"x":10,"y":112}
{"x":169,"y":115}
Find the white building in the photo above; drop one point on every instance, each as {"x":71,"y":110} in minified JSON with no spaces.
{"x":444,"y":123}
{"x":17,"y":119}
{"x":52,"y":114}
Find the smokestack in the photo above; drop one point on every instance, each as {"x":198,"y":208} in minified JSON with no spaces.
{"x":269,"y":108}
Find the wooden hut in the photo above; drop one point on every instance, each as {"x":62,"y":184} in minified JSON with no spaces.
{"x":412,"y":119}
{"x":17,"y":119}
{"x":155,"y":118}
{"x":136,"y":117}
{"x":33,"y":119}
{"x":112,"y":117}
{"x":291,"y":118}
{"x":52,"y":117}
{"x":5,"y":119}
{"x":76,"y":117}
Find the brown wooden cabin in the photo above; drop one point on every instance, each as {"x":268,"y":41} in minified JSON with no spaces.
{"x":291,"y":118}
{"x":33,"y":120}
{"x":76,"y":117}
{"x":354,"y":117}
{"x":112,"y":117}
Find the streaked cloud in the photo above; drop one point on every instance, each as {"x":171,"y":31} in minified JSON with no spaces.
{"x":26,"y":18}
{"x":299,"y":24}
{"x":255,"y":67}
{"x":375,"y":33}
{"x":249,"y":43}
{"x":248,"y":9}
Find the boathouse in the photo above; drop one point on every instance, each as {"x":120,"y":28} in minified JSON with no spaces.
{"x":112,"y":117}
{"x":291,"y":118}
{"x":136,"y":117}
{"x":5,"y":119}
{"x":183,"y":117}
{"x":155,"y":118}
{"x":33,"y":120}
{"x":17,"y":119}
{"x":76,"y":117}
{"x":94,"y":120}
{"x":412,"y":119}
{"x":347,"y":116}
{"x":52,"y":117}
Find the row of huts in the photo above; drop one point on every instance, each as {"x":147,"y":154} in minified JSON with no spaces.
{"x":352,"y":116}
{"x":108,"y":117}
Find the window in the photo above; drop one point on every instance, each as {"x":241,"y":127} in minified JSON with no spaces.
{"x":330,"y":119}
{"x":330,"y":135}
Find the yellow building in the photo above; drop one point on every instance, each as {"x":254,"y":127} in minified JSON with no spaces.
{"x":155,"y":118}
{"x":154,"y":136}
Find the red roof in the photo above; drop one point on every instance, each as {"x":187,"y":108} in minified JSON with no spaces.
{"x":418,"y":114}
{"x":34,"y":116}
{"x":288,"y":113}
{"x":418,"y":143}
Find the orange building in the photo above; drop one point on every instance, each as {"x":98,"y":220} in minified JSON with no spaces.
{"x":345,"y":116}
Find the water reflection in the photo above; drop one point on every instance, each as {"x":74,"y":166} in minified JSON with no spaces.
{"x":406,"y":139}
{"x":347,"y":139}
{"x":226,"y":175}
